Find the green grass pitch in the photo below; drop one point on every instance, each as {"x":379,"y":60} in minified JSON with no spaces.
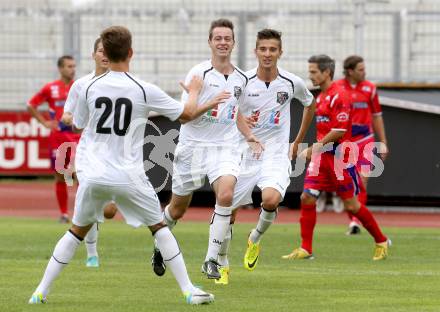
{"x":341,"y":278}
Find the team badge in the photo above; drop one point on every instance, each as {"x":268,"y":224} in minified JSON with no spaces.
{"x":342,"y":117}
{"x":282,"y":97}
{"x":237,"y":92}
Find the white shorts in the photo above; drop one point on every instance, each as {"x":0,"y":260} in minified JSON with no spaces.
{"x":274,"y":173}
{"x":192,"y":164}
{"x":138,"y":204}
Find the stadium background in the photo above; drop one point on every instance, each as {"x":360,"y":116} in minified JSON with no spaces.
{"x":398,"y":39}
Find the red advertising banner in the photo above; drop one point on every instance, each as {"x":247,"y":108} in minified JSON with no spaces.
{"x":24,"y":145}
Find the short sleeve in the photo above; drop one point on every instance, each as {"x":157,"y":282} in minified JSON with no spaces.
{"x":72,"y":98}
{"x":81,"y":113}
{"x":375,"y":107}
{"x":40,"y":97}
{"x":161,"y":103}
{"x":340,"y":108}
{"x":302,"y":94}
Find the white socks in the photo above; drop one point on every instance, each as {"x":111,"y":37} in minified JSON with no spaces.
{"x":167,"y":218}
{"x":217,"y":231}
{"x":91,"y":240}
{"x":264,"y":222}
{"x":173,"y":258}
{"x":62,"y":254}
{"x":222,"y":258}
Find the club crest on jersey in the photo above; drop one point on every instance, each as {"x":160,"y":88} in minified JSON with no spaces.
{"x":282,"y":97}
{"x":366,"y":88}
{"x":342,"y":117}
{"x":237,"y":92}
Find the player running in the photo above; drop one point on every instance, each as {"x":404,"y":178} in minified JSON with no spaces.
{"x":208,"y":145}
{"x":113,"y":109}
{"x":268,"y":97}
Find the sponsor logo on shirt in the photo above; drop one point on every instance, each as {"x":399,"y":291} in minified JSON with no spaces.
{"x":232,"y":110}
{"x":253,"y":94}
{"x":237,"y":92}
{"x":274,"y":118}
{"x":322,"y":119}
{"x":213,"y":112}
{"x":255,"y":115}
{"x":342,"y":117}
{"x":54,"y":91}
{"x":282,"y":97}
{"x":360,"y":105}
{"x":214,"y":85}
{"x":60,"y":103}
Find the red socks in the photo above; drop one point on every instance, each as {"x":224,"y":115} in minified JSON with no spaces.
{"x":369,"y":222}
{"x":62,"y":195}
{"x":307,"y":222}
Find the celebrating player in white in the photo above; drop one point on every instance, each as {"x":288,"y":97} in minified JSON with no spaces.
{"x":101,"y":66}
{"x":113,"y":110}
{"x":208,"y":145}
{"x":268,"y":97}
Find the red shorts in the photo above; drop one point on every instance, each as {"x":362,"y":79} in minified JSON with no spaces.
{"x":329,"y":175}
{"x":57,"y":138}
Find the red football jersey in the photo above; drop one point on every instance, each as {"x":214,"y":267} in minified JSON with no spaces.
{"x":55,"y":94}
{"x":333,"y":113}
{"x":365,"y":104}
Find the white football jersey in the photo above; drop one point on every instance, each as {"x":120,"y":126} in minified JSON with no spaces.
{"x":218,"y":125}
{"x":72,"y":97}
{"x":269,"y":107}
{"x":113,"y":108}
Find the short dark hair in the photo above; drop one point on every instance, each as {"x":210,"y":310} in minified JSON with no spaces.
{"x":116,"y":41}
{"x":95,"y":45}
{"x":268,"y":33}
{"x":324,"y":62}
{"x":351,"y":63}
{"x":61,"y":59}
{"x":221,"y":22}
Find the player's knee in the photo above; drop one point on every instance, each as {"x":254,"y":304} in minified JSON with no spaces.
{"x":224,"y":198}
{"x":177,"y":211}
{"x":307,"y":199}
{"x":352,"y":206}
{"x":270,"y":203}
{"x":110,"y":210}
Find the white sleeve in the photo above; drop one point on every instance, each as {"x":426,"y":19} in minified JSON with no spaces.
{"x":301,"y":93}
{"x":161,"y":103}
{"x":81,"y":113}
{"x":72,"y":98}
